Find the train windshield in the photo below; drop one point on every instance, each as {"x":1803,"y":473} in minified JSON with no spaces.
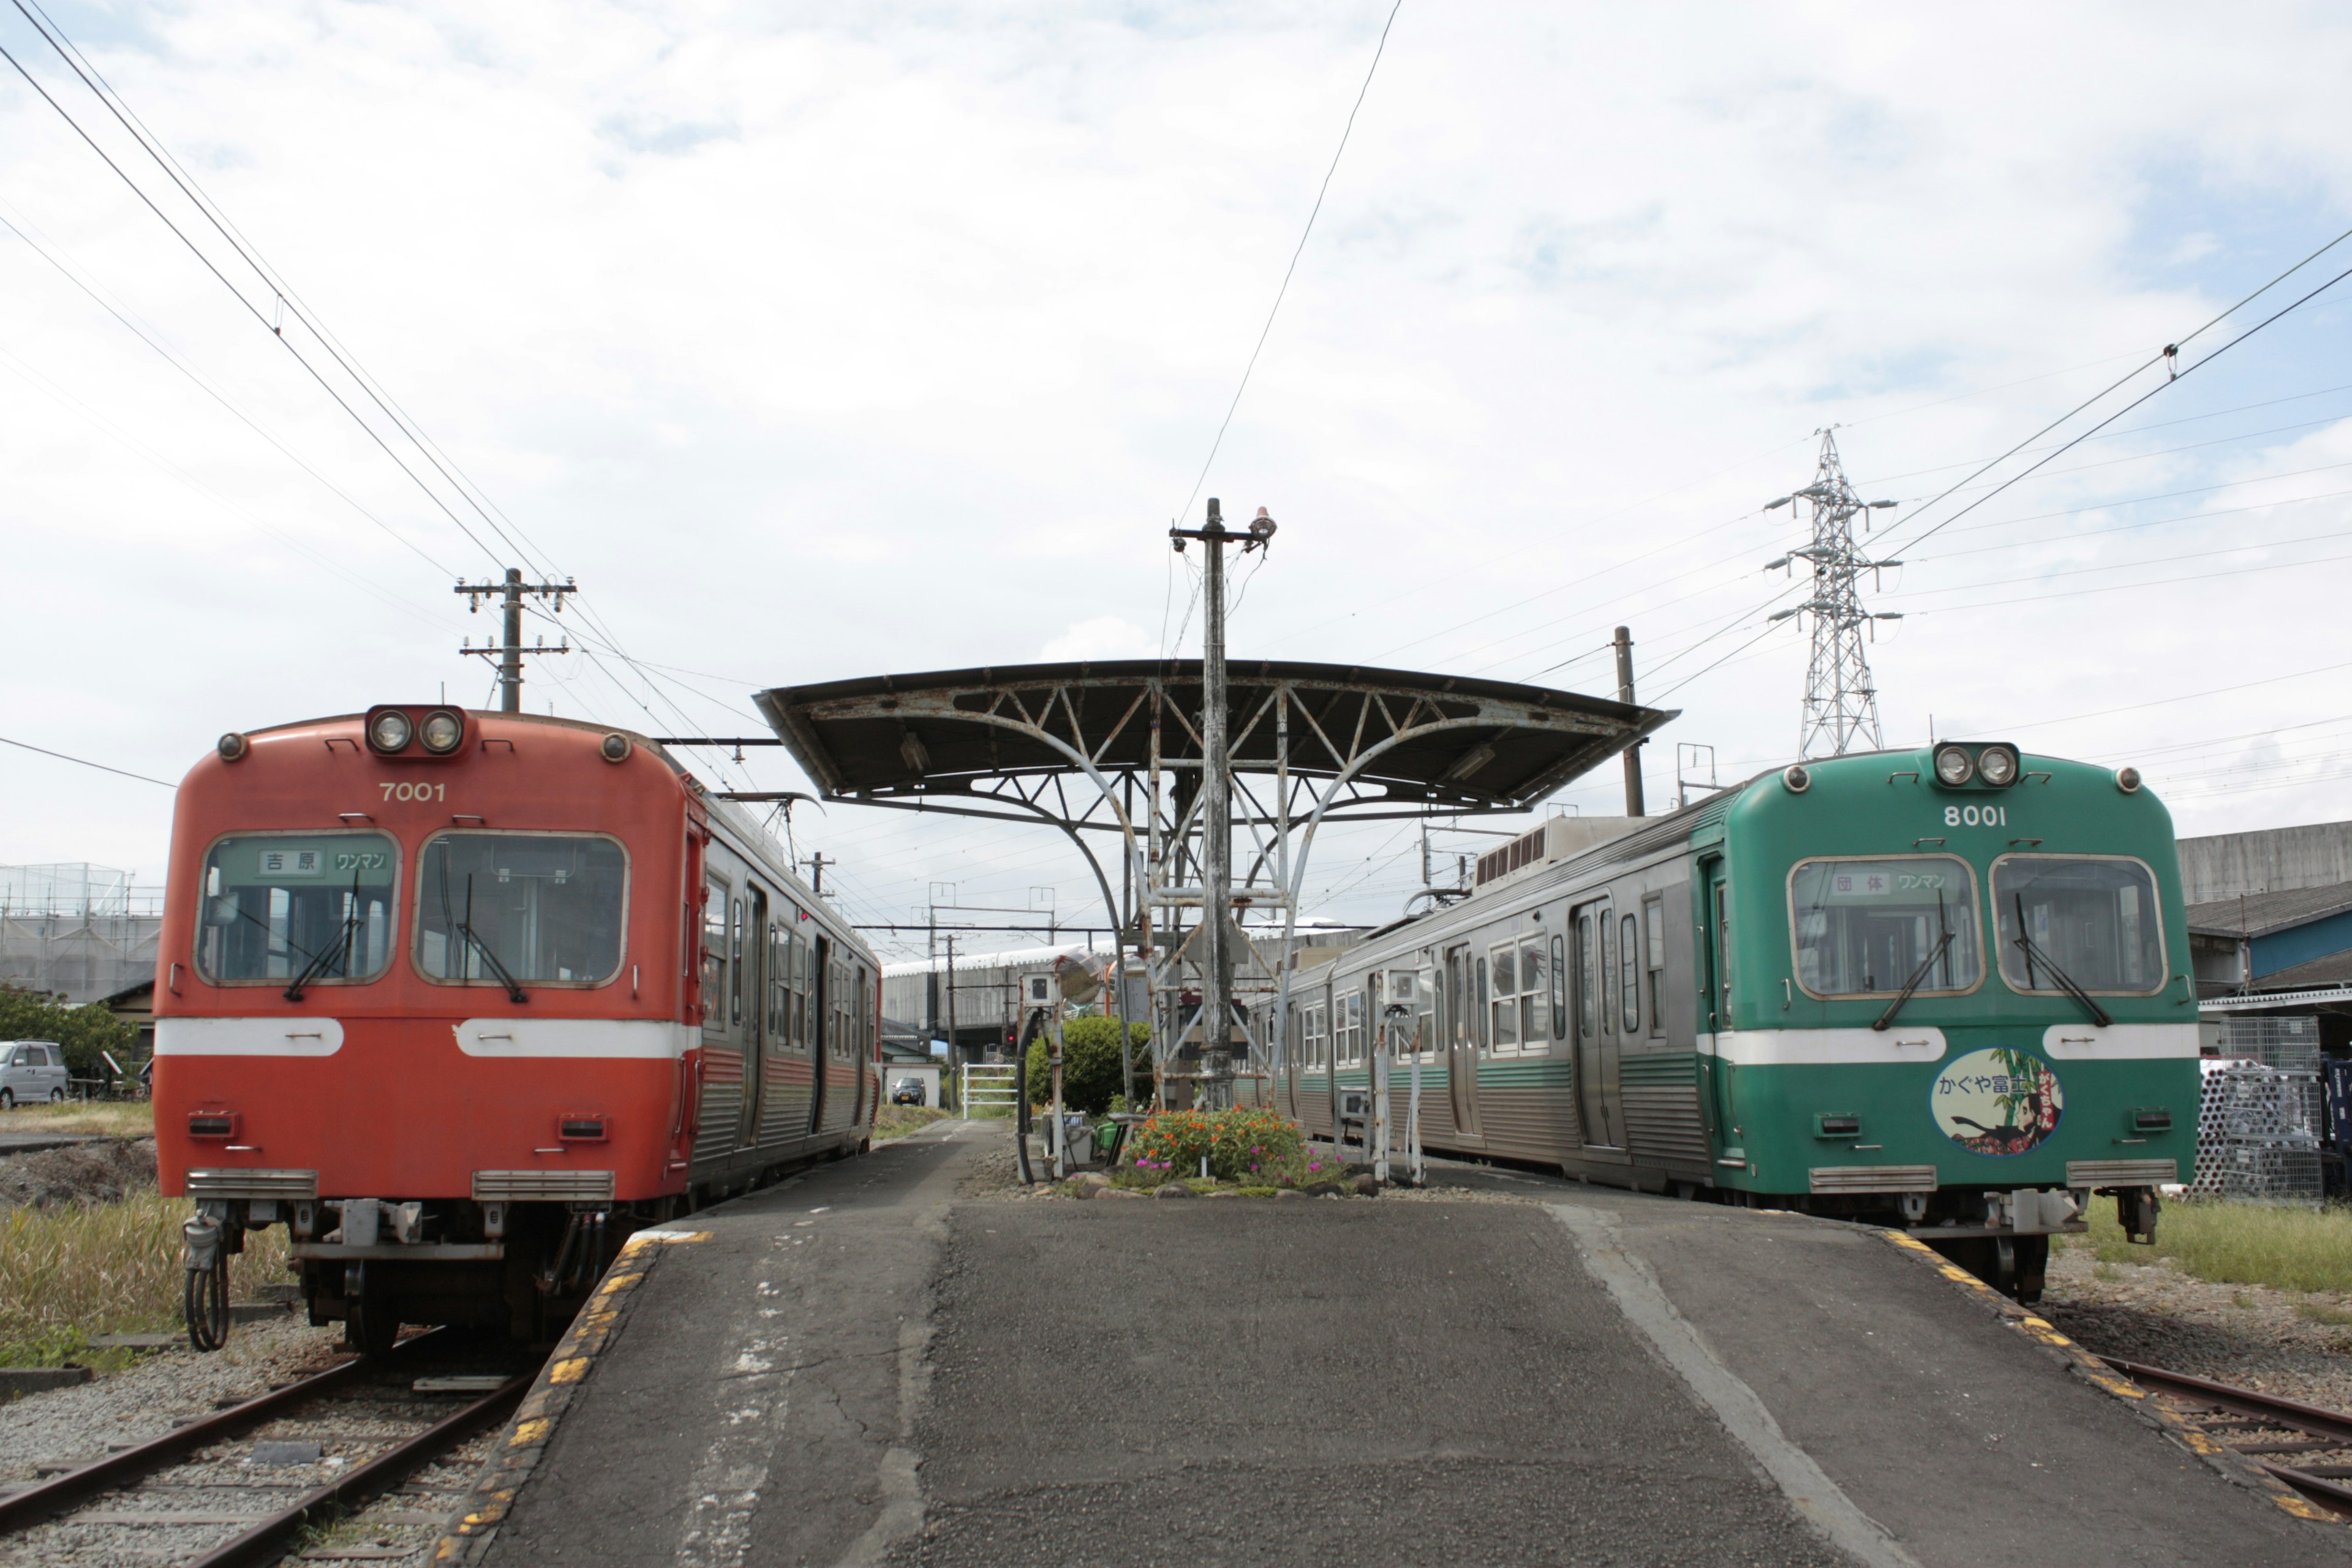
{"x":279,"y":907}
{"x":2090,"y":919}
{"x":1874,"y":928}
{"x":495,"y":909}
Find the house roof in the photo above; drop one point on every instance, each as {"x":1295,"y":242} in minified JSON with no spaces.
{"x":2260,"y":914}
{"x":2328,"y":969}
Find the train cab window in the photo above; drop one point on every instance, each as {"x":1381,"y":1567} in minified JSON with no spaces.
{"x":314,"y":907}
{"x":1871,"y":927}
{"x":539,"y":908}
{"x":2091,"y":920}
{"x":1629,"y":974}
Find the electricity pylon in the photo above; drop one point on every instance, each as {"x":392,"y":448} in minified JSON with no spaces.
{"x":1841,"y":711}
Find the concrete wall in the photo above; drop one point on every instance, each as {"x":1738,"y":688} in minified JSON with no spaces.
{"x":2272,"y":861}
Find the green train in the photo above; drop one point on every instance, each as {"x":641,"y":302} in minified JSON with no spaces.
{"x":1945,"y":990}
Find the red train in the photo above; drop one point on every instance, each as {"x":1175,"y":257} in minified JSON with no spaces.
{"x":464,"y":997}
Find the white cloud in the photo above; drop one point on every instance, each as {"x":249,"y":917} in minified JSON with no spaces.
{"x":810,"y":345}
{"x":1104,"y":637}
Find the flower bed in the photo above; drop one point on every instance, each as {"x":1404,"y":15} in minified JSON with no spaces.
{"x":1248,"y":1145}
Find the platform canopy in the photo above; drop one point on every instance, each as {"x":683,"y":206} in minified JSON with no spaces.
{"x":1005,"y":741}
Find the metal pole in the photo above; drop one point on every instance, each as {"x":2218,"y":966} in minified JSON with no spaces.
{"x":1216,"y":814}
{"x":511,"y":657}
{"x":955,"y":1047}
{"x":1054,"y":1061}
{"x":1624,"y":643}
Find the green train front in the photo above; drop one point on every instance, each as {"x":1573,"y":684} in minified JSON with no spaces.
{"x":1949,"y":988}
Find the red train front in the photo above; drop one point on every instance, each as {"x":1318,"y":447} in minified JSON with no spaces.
{"x":463,"y":997}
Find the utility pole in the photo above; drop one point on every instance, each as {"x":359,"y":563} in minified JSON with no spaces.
{"x":1624,"y":645}
{"x":1216,"y":795}
{"x":510,"y":594}
{"x":1841,"y":707}
{"x":955,"y":1047}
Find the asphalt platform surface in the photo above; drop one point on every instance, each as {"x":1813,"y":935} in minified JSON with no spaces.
{"x":877,"y":1363}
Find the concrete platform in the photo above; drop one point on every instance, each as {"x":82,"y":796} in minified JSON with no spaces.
{"x":864,"y":1367}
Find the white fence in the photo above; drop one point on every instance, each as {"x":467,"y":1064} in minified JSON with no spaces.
{"x":987,"y":1086}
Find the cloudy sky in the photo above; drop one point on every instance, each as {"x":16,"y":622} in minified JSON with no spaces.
{"x":818,"y":347}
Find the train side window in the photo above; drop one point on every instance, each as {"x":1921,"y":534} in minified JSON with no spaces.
{"x":1559,"y":984}
{"x":714,"y":957}
{"x":1534,"y":988}
{"x":1503,"y":1028}
{"x":1653,"y":928}
{"x":1477,"y":1009}
{"x":1354,"y":1003}
{"x":738,"y":911}
{"x":780,"y":988}
{"x":1628,"y":971}
{"x":1588,"y":973}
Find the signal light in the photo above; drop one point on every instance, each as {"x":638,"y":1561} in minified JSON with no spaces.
{"x":616,"y":747}
{"x":1798,"y":777}
{"x":389,"y":731}
{"x":2127,"y":780}
{"x":213,"y":1124}
{"x":233,"y":746}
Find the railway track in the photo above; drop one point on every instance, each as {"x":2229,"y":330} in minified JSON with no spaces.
{"x":2304,"y":1445}
{"x":245,"y":1485}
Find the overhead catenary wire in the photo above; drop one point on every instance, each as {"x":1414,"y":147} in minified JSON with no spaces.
{"x":1291,"y":271}
{"x":84,"y":761}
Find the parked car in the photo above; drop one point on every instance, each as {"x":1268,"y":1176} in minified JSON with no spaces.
{"x":31,"y":1070}
{"x":908,"y":1091}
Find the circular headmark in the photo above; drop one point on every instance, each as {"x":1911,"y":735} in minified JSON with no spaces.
{"x":1998,"y":1102}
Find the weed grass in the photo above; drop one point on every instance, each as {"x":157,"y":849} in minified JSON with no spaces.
{"x":74,"y":1270}
{"x":2240,"y":1244}
{"x":119,"y":1118}
{"x":897,"y":1121}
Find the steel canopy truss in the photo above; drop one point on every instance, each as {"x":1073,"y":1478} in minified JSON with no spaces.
{"x":1307,"y":742}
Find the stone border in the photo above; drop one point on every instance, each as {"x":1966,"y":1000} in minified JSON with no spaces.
{"x":2224,"y":1460}
{"x":526,"y":1437}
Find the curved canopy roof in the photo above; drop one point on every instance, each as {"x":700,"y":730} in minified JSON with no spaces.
{"x":1448,"y":742}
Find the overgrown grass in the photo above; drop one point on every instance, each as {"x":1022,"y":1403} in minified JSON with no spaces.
{"x":2238,"y":1244}
{"x":897,"y":1121}
{"x":120,"y":1118}
{"x":74,"y":1270}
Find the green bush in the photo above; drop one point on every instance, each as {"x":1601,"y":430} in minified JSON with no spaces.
{"x":1090,"y":1074}
{"x":1246,"y":1144}
{"x":82,"y":1031}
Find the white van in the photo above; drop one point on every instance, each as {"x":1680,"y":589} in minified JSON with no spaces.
{"x":31,"y":1070}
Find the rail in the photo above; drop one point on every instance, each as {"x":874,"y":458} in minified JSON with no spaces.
{"x":2226,"y":1411}
{"x":265,"y":1537}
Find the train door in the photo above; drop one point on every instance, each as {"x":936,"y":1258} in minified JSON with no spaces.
{"x":1466,"y":991}
{"x":1597,"y":1094}
{"x":718,"y":1103}
{"x":753,"y":982}
{"x":821,"y":1032}
{"x":1714,"y":1003}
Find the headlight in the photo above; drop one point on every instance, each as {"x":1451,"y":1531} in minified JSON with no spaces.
{"x":1998,"y":765}
{"x":1954,"y":766}
{"x":441,"y":731}
{"x":389,"y":730}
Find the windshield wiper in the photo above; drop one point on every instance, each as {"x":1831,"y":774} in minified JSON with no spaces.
{"x":1926,"y":964}
{"x":2029,"y":947}
{"x":340,"y":951}
{"x":473,"y":939}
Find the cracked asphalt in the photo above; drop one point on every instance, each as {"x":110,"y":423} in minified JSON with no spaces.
{"x":861,"y":1366}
